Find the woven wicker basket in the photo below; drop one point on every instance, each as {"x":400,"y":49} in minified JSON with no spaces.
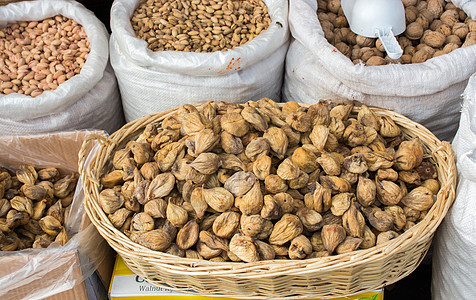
{"x":333,"y":276}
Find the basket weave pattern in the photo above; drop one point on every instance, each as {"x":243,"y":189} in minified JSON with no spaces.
{"x":326,"y":277}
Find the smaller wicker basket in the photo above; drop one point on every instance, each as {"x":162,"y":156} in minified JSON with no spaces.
{"x":333,"y":276}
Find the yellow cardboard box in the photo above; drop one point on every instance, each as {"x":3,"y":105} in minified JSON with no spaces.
{"x":125,"y":285}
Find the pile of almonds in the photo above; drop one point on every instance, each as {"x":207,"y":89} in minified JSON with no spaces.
{"x":254,"y":181}
{"x":434,"y":28}
{"x":199,"y":25}
{"x":32,"y":207}
{"x":38,"y":56}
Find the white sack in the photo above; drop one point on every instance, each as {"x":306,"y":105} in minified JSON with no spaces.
{"x":155,"y":81}
{"x":88,"y":100}
{"x":454,"y":255}
{"x":428,"y":93}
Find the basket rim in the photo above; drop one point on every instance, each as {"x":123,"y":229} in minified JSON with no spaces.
{"x":440,"y":151}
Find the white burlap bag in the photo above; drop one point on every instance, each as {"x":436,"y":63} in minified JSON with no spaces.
{"x":428,"y":93}
{"x":89,"y":100}
{"x":156,"y":81}
{"x":454,"y":255}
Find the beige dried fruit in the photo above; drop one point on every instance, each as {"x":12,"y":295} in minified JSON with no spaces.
{"x":288,"y":170}
{"x":230,"y":143}
{"x":204,"y":141}
{"x":253,"y":117}
{"x":398,"y":215}
{"x":56,"y":211}
{"x":387,"y":174}
{"x":240,"y":183}
{"x":300,"y":247}
{"x":167,"y":155}
{"x":305,"y":159}
{"x":386,"y":236}
{"x":160,"y":186}
{"x":353,"y":222}
{"x":431,"y":184}
{"x":110,"y":200}
{"x":27,"y":174}
{"x":367,"y":117}
{"x":380,"y":220}
{"x":329,"y":163}
{"x":50,"y":225}
{"x":354,"y":134}
{"x":245,"y":248}
{"x":176,"y":215}
{"x":420,"y":198}
{"x":5,"y":206}
{"x":388,"y":193}
{"x":65,"y":185}
{"x":51,"y":174}
{"x":321,"y":199}
{"x":316,"y":242}
{"x":156,"y":208}
{"x":226,"y":224}
{"x":319,"y":136}
{"x":285,"y":202}
{"x":34,"y":192}
{"x":157,"y":239}
{"x":113,"y":178}
{"x":369,"y":238}
{"x":234,"y":124}
{"x":332,"y":236}
{"x":218,"y":198}
{"x":409,"y":155}
{"x":150,"y":170}
{"x":143,"y":222}
{"x":275,"y":184}
{"x":252,"y":202}
{"x":62,"y":237}
{"x":355,"y":163}
{"x":213,"y":242}
{"x":286,"y":229}
{"x":266,"y":251}
{"x":256,"y":148}
{"x":206,"y":163}
{"x":119,"y":217}
{"x":22,"y":204}
{"x":310,"y":219}
{"x":366,"y":191}
{"x":188,"y":235}
{"x":198,"y":202}
{"x":252,"y":225}
{"x":300,"y":182}
{"x":262,"y":166}
{"x":410,"y":177}
{"x":378,"y":160}
{"x":335,"y":184}
{"x":165,"y":136}
{"x":348,"y":245}
{"x":341,"y":203}
{"x":277,"y":140}
{"x":299,"y":120}
{"x":388,"y":128}
{"x":319,"y":113}
{"x":271,"y":209}
{"x":141,"y":152}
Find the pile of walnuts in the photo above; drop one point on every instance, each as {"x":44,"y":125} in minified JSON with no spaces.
{"x":434,"y":28}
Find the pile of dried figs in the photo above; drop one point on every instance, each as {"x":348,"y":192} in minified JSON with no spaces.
{"x":33,"y":207}
{"x":260,"y":181}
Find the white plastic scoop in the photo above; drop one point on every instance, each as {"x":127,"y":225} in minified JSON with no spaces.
{"x":377,"y":18}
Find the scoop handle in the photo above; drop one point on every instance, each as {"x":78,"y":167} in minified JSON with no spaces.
{"x":389,"y":42}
